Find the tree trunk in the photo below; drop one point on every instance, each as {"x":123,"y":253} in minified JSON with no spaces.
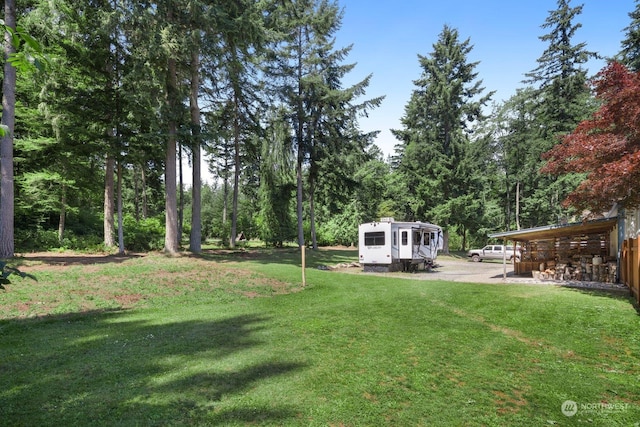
{"x":445,"y":242}
{"x":136,"y":194}
{"x":518,"y":205}
{"x":6,"y":144}
{"x":180,"y":192}
{"x":63,"y":213}
{"x":299,"y":144}
{"x":195,"y":238}
{"x":236,"y":173}
{"x":225,"y":194}
{"x":299,"y":198}
{"x":507,"y":210}
{"x":121,"y":248}
{"x":464,"y":238}
{"x":171,"y":204}
{"x":109,"y":225}
{"x":312,"y":215}
{"x":145,"y":207}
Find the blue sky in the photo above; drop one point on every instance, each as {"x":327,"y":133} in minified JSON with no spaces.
{"x":387,"y":37}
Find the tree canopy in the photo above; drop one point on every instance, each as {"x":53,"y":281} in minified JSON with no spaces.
{"x":435,"y":158}
{"x":134,"y":90}
{"x":606,"y":147}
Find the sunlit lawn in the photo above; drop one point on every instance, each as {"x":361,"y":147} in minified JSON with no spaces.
{"x":233,"y":339}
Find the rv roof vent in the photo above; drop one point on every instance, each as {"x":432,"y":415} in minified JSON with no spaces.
{"x":387,"y":219}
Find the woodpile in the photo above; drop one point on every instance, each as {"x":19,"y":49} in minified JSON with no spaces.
{"x":583,"y":269}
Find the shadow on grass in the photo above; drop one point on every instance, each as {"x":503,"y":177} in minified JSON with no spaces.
{"x":287,"y":256}
{"x":113,"y":368}
{"x":62,"y":259}
{"x":603,"y":290}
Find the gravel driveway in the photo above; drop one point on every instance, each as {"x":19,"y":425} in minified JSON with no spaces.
{"x":461,"y":270}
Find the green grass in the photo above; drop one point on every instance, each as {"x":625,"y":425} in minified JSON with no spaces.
{"x":230,"y":338}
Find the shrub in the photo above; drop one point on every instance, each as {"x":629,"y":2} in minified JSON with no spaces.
{"x":143,"y":235}
{"x":36,"y":240}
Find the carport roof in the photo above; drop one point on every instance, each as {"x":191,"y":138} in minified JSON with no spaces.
{"x":604,"y":225}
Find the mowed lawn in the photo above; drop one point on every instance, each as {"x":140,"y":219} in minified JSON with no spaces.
{"x":233,"y":339}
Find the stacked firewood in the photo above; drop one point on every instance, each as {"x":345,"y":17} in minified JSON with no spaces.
{"x":580,"y":270}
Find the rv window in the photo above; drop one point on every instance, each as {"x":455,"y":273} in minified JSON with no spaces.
{"x":375,"y":238}
{"x":426,"y":239}
{"x":405,"y":238}
{"x":395,"y":238}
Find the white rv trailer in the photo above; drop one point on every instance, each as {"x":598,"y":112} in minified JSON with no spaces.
{"x":388,"y":245}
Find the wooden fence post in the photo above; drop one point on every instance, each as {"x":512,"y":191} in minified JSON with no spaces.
{"x":635,"y":266}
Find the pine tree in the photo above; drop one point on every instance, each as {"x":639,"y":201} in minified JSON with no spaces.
{"x":337,"y":147}
{"x":564,"y":99}
{"x":277,"y":183}
{"x":513,"y":132}
{"x":309,"y":73}
{"x":562,"y":79}
{"x":434,"y":149}
{"x":306,"y":27}
{"x":630,"y":53}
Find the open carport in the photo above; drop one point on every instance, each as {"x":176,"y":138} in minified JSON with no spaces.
{"x":585,"y":251}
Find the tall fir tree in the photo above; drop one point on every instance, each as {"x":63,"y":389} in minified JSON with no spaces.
{"x":513,"y":132}
{"x":306,"y":26}
{"x":277,"y":182}
{"x":434,"y":151}
{"x":630,"y":53}
{"x":336,"y":145}
{"x":564,"y":99}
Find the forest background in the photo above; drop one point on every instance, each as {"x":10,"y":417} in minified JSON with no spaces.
{"x":131,"y":90}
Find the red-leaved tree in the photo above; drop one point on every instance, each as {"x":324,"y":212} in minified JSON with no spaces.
{"x":606,"y":147}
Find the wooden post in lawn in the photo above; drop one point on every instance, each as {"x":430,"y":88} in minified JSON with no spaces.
{"x":304,"y":265}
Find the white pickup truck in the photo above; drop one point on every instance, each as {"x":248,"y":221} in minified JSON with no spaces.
{"x":494,"y":252}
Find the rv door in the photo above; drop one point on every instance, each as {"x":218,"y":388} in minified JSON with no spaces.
{"x":406,"y":249}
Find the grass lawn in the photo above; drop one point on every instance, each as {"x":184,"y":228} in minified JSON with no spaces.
{"x":232,"y":339}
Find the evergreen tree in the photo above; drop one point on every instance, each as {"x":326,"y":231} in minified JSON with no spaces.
{"x":277,"y":184}
{"x":306,"y":27}
{"x":372,"y":178}
{"x":323,"y":114}
{"x":630,"y":53}
{"x":337,"y":147}
{"x":564,"y":99}
{"x":512,"y":131}
{"x":58,"y":160}
{"x":435,"y":160}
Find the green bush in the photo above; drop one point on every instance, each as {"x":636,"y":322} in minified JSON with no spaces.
{"x":143,"y":235}
{"x":36,"y":240}
{"x":47,"y":240}
{"x":342,"y":229}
